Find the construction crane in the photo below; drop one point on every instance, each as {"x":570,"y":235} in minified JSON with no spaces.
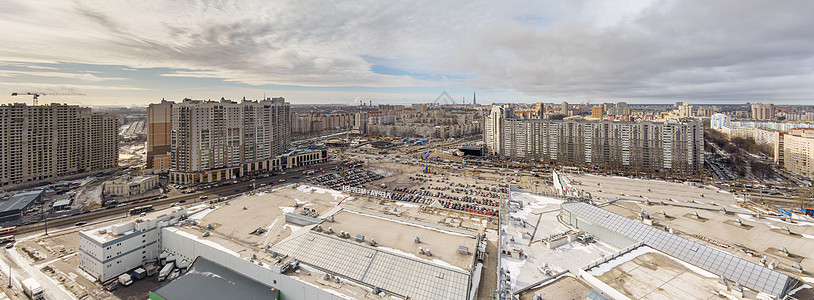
{"x":37,"y":95}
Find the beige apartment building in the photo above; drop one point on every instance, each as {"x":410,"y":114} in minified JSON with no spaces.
{"x":204,"y":141}
{"x":126,"y":186}
{"x":597,"y":112}
{"x":798,"y":151}
{"x":47,"y":141}
{"x":159,"y":126}
{"x":317,"y":122}
{"x":628,"y":146}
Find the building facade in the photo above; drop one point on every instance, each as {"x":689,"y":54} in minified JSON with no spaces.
{"x":212,"y":141}
{"x":639,"y":146}
{"x":597,"y":112}
{"x":719,"y":121}
{"x":798,"y":152}
{"x":762,"y":111}
{"x":159,"y":127}
{"x":127,"y":186}
{"x":492,"y":127}
{"x":108,"y":251}
{"x":47,"y":141}
{"x":317,"y":122}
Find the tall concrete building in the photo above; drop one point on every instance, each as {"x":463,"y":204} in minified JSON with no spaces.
{"x":641,"y":146}
{"x":719,"y":121}
{"x":619,"y":109}
{"x":597,"y":111}
{"x":705,"y":111}
{"x":492,"y":125}
{"x":217,"y":140}
{"x":47,"y":141}
{"x":564,"y":108}
{"x":319,"y":122}
{"x":762,"y":111}
{"x":685,"y":110}
{"x":798,"y":151}
{"x":159,"y":127}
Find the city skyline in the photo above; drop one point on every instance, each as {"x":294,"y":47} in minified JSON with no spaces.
{"x":589,"y":51}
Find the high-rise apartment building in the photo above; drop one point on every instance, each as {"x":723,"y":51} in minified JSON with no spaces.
{"x":597,"y":112}
{"x":719,"y":121}
{"x":705,"y":111}
{"x":318,"y":122}
{"x":685,"y":110}
{"x":159,"y":127}
{"x":762,"y":111}
{"x":564,"y":108}
{"x":46,"y":141}
{"x":217,"y":140}
{"x":619,"y":109}
{"x":798,"y":151}
{"x":492,"y":124}
{"x":642,"y":146}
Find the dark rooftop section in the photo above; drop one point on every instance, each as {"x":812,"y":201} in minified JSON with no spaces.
{"x":20,"y":201}
{"x":471,"y":150}
{"x":209,"y":280}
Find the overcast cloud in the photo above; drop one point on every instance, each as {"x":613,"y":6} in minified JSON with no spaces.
{"x":665,"y":51}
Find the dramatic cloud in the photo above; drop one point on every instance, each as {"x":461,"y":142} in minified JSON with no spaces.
{"x":664,"y":50}
{"x":692,"y":50}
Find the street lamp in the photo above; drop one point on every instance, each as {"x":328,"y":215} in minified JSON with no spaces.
{"x":42,"y":215}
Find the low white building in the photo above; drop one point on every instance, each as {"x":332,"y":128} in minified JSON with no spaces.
{"x":106,"y":252}
{"x":127,"y":185}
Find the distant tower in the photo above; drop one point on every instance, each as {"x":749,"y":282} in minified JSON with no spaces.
{"x":474,"y":100}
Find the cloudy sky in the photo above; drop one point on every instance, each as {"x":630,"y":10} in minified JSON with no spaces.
{"x":137,"y":52}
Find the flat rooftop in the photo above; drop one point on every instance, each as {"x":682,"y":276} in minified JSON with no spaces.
{"x":645,"y":273}
{"x":541,"y":212}
{"x":764,"y":236}
{"x":564,"y":287}
{"x":129,"y":180}
{"x":603,"y":188}
{"x":19,"y":201}
{"x":393,"y":264}
{"x":207,"y":279}
{"x":751,"y":275}
{"x":751,"y":239}
{"x":399,"y":234}
{"x":105,"y":233}
{"x":234,"y":224}
{"x":387,"y":269}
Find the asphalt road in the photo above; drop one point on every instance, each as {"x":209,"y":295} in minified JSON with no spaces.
{"x":10,"y":260}
{"x":222,"y":191}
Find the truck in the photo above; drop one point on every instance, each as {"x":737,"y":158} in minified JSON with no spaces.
{"x":165,"y":271}
{"x":32,"y":288}
{"x":139,"y":273}
{"x":125,"y":279}
{"x":151,"y":267}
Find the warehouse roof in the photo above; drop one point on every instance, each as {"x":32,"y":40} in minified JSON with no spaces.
{"x":20,"y":200}
{"x":209,"y":280}
{"x":389,"y":271}
{"x":721,"y":263}
{"x":62,"y":202}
